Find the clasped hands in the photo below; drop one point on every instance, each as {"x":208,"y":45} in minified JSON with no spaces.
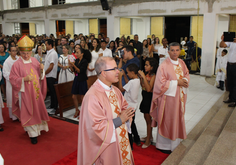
{"x":183,"y":83}
{"x":126,"y":115}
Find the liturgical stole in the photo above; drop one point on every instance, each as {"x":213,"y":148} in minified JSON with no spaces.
{"x":121,"y":131}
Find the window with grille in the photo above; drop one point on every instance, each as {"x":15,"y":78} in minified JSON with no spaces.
{"x":17,"y":28}
{"x":14,"y":4}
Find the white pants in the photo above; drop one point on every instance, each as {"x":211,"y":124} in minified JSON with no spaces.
{"x":1,"y":118}
{"x":166,"y":144}
{"x":13,"y":117}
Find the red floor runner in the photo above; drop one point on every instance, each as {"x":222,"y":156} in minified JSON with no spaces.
{"x":16,"y":148}
{"x":148,"y":156}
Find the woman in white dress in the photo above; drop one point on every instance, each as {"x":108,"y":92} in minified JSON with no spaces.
{"x":6,"y":73}
{"x":40,"y":53}
{"x":156,"y":45}
{"x":65,"y":74}
{"x":96,"y":52}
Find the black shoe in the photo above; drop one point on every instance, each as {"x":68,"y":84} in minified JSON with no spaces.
{"x":228,"y":101}
{"x":138,"y":143}
{"x":34,"y":140}
{"x":1,"y":129}
{"x":232,"y":105}
{"x":165,"y":151}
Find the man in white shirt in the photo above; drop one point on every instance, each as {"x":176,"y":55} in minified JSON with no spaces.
{"x":106,"y":52}
{"x":231,"y":70}
{"x":163,"y":51}
{"x":51,"y":62}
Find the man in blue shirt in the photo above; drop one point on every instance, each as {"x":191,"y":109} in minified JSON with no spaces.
{"x":130,"y":59}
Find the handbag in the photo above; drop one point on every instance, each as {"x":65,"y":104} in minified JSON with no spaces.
{"x":194,"y":66}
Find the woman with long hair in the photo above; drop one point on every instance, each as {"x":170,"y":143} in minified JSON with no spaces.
{"x":65,"y":74}
{"x":80,"y":87}
{"x":96,"y":52}
{"x":156,"y":46}
{"x":3,"y":56}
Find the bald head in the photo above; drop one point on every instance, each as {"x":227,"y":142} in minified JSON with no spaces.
{"x":100,"y":64}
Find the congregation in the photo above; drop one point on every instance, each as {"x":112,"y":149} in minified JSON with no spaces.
{"x":144,"y":77}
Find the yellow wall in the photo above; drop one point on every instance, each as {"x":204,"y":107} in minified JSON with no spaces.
{"x":232,"y":23}
{"x":32,"y":29}
{"x":125,"y":26}
{"x":157,"y":24}
{"x":197,"y":29}
{"x":70,"y":28}
{"x":93,"y":26}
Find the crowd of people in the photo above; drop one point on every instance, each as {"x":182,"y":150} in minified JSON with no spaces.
{"x":151,"y":77}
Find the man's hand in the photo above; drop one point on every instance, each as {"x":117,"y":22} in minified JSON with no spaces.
{"x":222,"y":37}
{"x":28,"y":78}
{"x":121,"y":73}
{"x":220,"y":70}
{"x":183,"y":83}
{"x":126,"y":114}
{"x":142,"y":75}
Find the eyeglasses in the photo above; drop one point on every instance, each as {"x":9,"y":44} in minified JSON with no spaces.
{"x":116,"y":68}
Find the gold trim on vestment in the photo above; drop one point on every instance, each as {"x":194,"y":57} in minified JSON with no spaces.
{"x":25,"y":48}
{"x":102,"y":143}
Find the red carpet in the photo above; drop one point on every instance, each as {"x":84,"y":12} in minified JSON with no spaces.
{"x":148,"y":156}
{"x":16,"y":148}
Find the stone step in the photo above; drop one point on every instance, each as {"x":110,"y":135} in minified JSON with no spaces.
{"x":224,"y":150}
{"x":202,"y":147}
{"x":178,"y":154}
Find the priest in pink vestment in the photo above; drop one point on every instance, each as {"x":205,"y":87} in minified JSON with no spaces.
{"x":169,"y":99}
{"x":105,"y":120}
{"x":29,"y":90}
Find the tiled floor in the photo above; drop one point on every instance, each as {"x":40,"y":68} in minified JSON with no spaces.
{"x":201,"y":97}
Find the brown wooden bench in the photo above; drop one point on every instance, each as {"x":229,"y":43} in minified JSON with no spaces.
{"x":64,"y":95}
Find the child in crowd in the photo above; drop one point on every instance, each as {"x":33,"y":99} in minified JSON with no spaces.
{"x":6,"y":73}
{"x":221,"y":69}
{"x":147,"y":82}
{"x":132,"y":95}
{"x":80,"y":86}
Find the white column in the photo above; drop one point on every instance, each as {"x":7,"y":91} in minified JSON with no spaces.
{"x":223,"y":26}
{"x":7,"y":28}
{"x":1,"y":5}
{"x":142,"y":27}
{"x":50,"y":27}
{"x":210,"y":25}
{"x":45,"y":2}
{"x":40,"y":28}
{"x":113,"y":27}
{"x":81,"y":26}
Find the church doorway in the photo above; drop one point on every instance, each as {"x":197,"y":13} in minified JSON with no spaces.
{"x":60,"y":27}
{"x":103,"y":26}
{"x":24,"y":28}
{"x":177,"y":28}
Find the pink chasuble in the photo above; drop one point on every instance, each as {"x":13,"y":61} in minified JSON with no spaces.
{"x":167,"y":111}
{"x":33,"y":110}
{"x":96,"y":128}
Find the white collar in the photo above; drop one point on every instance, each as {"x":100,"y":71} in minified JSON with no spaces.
{"x":26,"y":62}
{"x":174,"y":62}
{"x":49,"y":51}
{"x":15,"y":57}
{"x":104,"y":85}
